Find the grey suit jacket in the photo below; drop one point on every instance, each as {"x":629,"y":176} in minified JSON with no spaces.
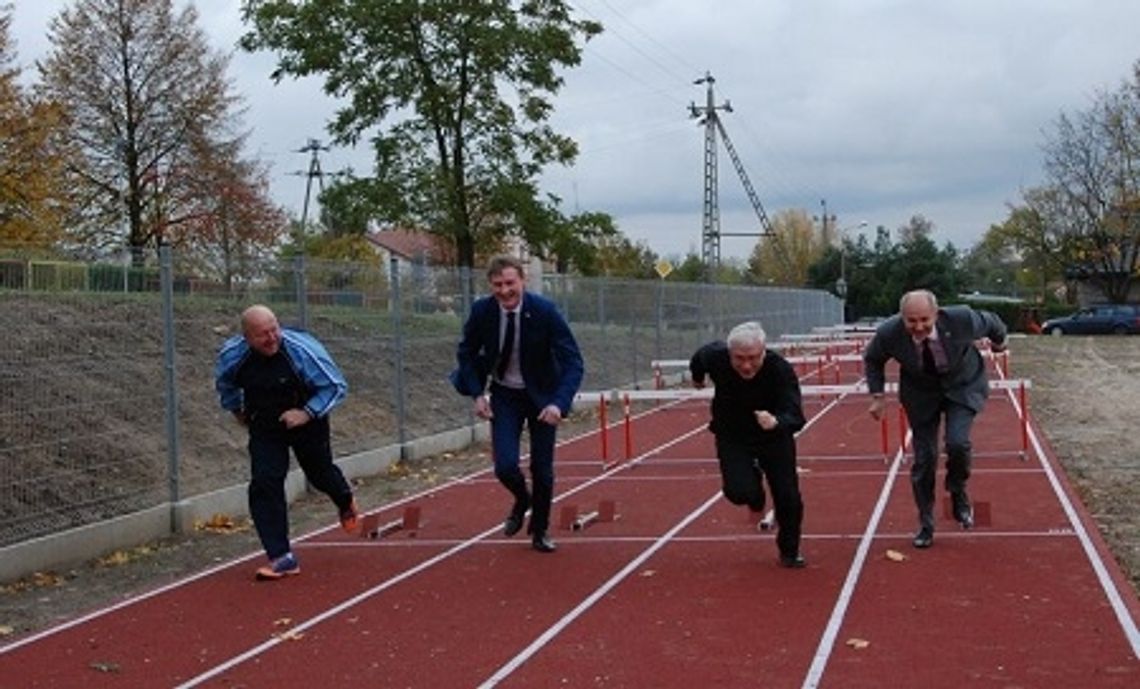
{"x":964,"y":381}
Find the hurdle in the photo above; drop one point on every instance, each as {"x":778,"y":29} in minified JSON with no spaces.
{"x":370,"y":526}
{"x":570,"y":519}
{"x":1018,"y":387}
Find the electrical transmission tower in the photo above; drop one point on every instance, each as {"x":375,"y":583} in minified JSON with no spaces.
{"x":313,"y":147}
{"x":710,"y":225}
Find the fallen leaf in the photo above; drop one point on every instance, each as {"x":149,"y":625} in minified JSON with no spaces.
{"x":104,"y":667}
{"x":896,"y":556}
{"x":283,"y":622}
{"x":649,"y":573}
{"x":290,"y":635}
{"x":858,"y":644}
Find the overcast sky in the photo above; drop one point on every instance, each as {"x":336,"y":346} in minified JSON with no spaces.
{"x":883,"y":109}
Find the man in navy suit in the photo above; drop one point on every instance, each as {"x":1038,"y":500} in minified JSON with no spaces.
{"x":941,"y":374}
{"x":519,"y":341}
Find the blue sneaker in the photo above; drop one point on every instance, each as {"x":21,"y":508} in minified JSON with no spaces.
{"x":284,"y":566}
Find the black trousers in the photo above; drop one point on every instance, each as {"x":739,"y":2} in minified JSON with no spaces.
{"x":959,"y":420}
{"x":269,"y":464}
{"x":743,"y":467}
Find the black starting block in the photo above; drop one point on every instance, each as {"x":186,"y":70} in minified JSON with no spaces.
{"x":370,"y":526}
{"x":569,"y":518}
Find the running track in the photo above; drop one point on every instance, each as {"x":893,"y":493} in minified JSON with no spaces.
{"x":680,"y":591}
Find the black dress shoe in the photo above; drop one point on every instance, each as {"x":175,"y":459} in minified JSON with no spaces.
{"x":924,"y":538}
{"x":793,"y":561}
{"x":514,"y":521}
{"x":513,"y":524}
{"x":963,"y":512}
{"x":543,"y":544}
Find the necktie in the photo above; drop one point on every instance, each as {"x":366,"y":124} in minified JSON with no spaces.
{"x":928,"y":364}
{"x":508,"y":346}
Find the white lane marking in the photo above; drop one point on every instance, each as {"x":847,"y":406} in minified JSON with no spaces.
{"x":831,"y":631}
{"x":556,"y":628}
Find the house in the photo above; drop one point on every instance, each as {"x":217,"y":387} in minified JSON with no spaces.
{"x":424,"y":262}
{"x":411,"y":248}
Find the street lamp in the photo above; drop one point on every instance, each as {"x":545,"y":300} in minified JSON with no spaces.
{"x":841,"y":283}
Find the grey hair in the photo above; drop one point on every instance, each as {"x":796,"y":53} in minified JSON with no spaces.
{"x":931,"y":300}
{"x":748,"y":333}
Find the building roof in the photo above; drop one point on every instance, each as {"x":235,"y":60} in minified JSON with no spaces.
{"x":410,"y":245}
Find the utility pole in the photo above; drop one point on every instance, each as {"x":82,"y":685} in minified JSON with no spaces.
{"x":710,"y":225}
{"x":313,"y":147}
{"x":710,"y":211}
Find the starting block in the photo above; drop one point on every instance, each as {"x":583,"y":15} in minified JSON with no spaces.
{"x":569,"y":518}
{"x":370,"y":526}
{"x":982,"y":513}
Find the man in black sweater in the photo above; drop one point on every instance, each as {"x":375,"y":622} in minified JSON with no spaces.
{"x":756,"y":412}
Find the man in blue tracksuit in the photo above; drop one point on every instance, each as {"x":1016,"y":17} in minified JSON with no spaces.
{"x":281,"y":384}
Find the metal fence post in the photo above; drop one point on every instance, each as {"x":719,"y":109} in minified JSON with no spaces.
{"x":398,"y":335}
{"x":168,"y":360}
{"x":299,"y":283}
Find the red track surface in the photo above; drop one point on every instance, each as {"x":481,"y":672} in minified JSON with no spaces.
{"x":680,"y":591}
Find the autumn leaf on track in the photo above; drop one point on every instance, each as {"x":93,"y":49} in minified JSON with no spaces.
{"x":896,"y":556}
{"x":290,"y":635}
{"x":858,"y":644}
{"x":283,"y":622}
{"x":649,"y":573}
{"x":221,"y":523}
{"x":104,"y":667}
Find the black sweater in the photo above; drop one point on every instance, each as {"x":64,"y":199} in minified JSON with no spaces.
{"x":774,"y":389}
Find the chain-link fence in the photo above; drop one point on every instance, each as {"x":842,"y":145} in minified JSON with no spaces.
{"x":108,"y":404}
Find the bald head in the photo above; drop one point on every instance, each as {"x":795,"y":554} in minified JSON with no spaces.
{"x":919,"y":311}
{"x":261,"y":330}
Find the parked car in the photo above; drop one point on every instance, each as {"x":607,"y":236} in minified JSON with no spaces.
{"x":1100,"y":319}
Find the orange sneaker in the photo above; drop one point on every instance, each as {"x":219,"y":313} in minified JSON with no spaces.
{"x":350,"y":518}
{"x":284,"y":566}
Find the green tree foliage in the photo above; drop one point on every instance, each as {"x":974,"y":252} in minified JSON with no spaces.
{"x":617,"y":256}
{"x":33,"y":200}
{"x":456,"y":97}
{"x":148,"y":106}
{"x":879,"y":272}
{"x":784,"y":258}
{"x":1092,"y":163}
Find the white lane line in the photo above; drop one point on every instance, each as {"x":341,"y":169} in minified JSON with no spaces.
{"x":406,"y":574}
{"x":555,"y":629}
{"x":831,"y":631}
{"x":1119,"y":607}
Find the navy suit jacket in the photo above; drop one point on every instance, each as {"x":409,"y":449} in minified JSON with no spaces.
{"x":549,"y":359}
{"x":963,"y":382}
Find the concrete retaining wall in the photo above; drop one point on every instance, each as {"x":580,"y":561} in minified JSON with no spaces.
{"x":68,"y":548}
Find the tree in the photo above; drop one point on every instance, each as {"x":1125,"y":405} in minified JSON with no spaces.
{"x":1092,"y":162}
{"x":431,"y":77}
{"x":617,"y":256}
{"x":33,"y":200}
{"x":784,"y":258}
{"x":143,"y":96}
{"x":230,"y":229}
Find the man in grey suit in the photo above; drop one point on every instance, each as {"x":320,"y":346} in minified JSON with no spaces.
{"x":941,"y":373}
